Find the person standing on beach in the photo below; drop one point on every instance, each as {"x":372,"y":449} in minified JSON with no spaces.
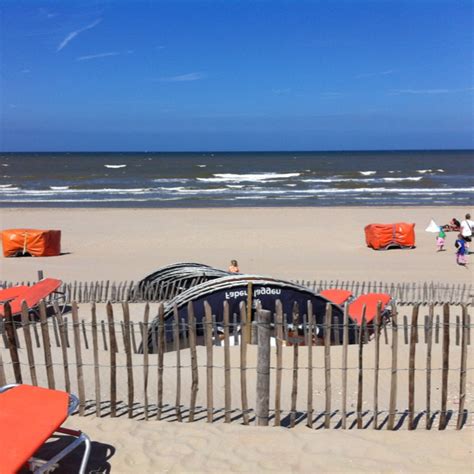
{"x":466,"y":228}
{"x":441,"y":239}
{"x":461,"y":253}
{"x":234,"y":267}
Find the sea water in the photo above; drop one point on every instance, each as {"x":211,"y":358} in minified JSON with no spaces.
{"x":375,"y":178}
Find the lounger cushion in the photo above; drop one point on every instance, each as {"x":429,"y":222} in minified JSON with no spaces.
{"x":32,"y":294}
{"x":370,"y":302}
{"x":28,"y":417}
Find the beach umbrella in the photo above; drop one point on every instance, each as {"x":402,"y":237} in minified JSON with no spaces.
{"x":432,"y":227}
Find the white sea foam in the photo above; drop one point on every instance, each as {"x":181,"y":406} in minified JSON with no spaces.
{"x":235,"y":186}
{"x":440,"y":170}
{"x":408,"y":178}
{"x":5,"y":165}
{"x":424,"y":171}
{"x":248,"y":177}
{"x":59,"y":188}
{"x":171,"y":180}
{"x":115,"y":166}
{"x":201,"y":166}
{"x":6,"y":185}
{"x":367,"y":173}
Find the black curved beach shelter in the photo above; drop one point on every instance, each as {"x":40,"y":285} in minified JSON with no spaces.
{"x":233,"y":289}
{"x":171,"y":280}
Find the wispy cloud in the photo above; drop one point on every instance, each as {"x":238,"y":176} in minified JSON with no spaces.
{"x":191,"y":76}
{"x":374,"y":74}
{"x":75,"y":33}
{"x":429,"y":91}
{"x":98,"y":55}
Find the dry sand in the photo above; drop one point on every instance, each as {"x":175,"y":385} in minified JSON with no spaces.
{"x":292,"y":243}
{"x":313,"y":243}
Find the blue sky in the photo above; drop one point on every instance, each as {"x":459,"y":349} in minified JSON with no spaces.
{"x":236,"y":75}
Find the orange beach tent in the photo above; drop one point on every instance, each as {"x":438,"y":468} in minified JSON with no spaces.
{"x":38,"y":243}
{"x":386,"y":236}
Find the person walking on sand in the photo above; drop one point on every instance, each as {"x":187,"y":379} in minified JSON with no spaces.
{"x":441,"y":239}
{"x":461,"y":252}
{"x":234,"y":267}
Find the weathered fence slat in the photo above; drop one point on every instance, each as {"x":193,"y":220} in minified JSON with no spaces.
{"x":377,"y":324}
{"x":243,"y":362}
{"x":95,"y":349}
{"x":128,"y":355}
{"x":279,"y":360}
{"x":113,"y":360}
{"x":411,"y":368}
{"x":194,"y":366}
{"x":462,"y":372}
{"x":144,"y":333}
{"x":62,"y":335}
{"x":360,"y":381}
{"x":429,"y":346}
{"x":263,"y":368}
{"x":161,"y":349}
{"x":345,"y":340}
{"x":294,"y":387}
{"x":28,"y":342}
{"x":177,"y":349}
{"x":12,"y":343}
{"x":48,"y":360}
{"x":309,"y":342}
{"x":77,"y":348}
{"x":393,"y":373}
{"x":327,"y":365}
{"x":445,"y":369}
{"x":227,"y":374}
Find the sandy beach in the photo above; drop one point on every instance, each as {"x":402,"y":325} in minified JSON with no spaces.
{"x":289,"y":243}
{"x":299,"y":243}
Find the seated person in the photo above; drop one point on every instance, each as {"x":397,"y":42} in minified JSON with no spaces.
{"x":234,"y":267}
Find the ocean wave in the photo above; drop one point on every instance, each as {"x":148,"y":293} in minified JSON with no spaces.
{"x":115,"y":166}
{"x":424,"y":171}
{"x":250,"y":177}
{"x":367,"y":173}
{"x":201,"y":166}
{"x":59,"y":188}
{"x":171,"y":180}
{"x":6,"y":185}
{"x":408,"y":178}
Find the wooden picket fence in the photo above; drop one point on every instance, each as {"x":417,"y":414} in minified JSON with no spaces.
{"x":37,"y":350}
{"x":134,"y":292}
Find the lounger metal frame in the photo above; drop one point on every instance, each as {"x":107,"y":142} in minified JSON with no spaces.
{"x":80,"y":438}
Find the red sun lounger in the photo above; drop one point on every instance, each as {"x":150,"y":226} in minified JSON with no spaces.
{"x":370,"y":302}
{"x":336,"y":295}
{"x":31,"y":294}
{"x":29,"y":416}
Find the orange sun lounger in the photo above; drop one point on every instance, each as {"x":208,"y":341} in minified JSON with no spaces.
{"x":31,"y":294}
{"x":29,"y":416}
{"x":370,"y":302}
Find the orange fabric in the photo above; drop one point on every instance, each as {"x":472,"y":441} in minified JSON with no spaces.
{"x":11,"y":293}
{"x":28,"y":417}
{"x":383,"y":236}
{"x":38,"y":243}
{"x":370,"y":302}
{"x":336,"y":296}
{"x":31,"y":294}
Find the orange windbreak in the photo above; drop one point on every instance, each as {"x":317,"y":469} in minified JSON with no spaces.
{"x":383,"y":236}
{"x":38,"y":243}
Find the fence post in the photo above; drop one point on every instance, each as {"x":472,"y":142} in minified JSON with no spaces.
{"x":411,"y":367}
{"x":393,"y":375}
{"x":279,"y":360}
{"x":77,"y":347}
{"x":243,"y":363}
{"x":327,"y":365}
{"x":62,"y":335}
{"x":177,"y":346}
{"x":263,"y":368}
{"x":48,"y":360}
{"x":194,"y":365}
{"x":10,"y":330}
{"x":95,"y":348}
{"x":209,"y":362}
{"x":227,"y":374}
{"x":310,"y":334}
{"x":145,"y":358}
{"x":445,"y":370}
{"x":294,"y":387}
{"x":113,"y":360}
{"x":429,"y":345}
{"x":377,"y":321}
{"x":128,"y":355}
{"x":345,"y":340}
{"x":462,"y":373}
{"x":28,"y":342}
{"x":360,"y":379}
